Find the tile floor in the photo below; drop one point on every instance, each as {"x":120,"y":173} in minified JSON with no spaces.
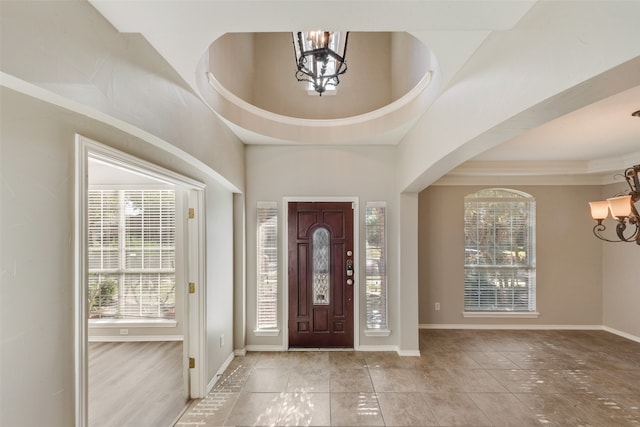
{"x":462,"y":378}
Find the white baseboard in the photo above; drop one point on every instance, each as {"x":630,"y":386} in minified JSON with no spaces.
{"x":622,"y":334}
{"x":511,"y":326}
{"x":218,"y":374}
{"x":360,"y":348}
{"x":240,"y":352}
{"x":377,"y":348}
{"x":412,"y":353}
{"x":389,"y":348}
{"x":265,"y":348}
{"x":132,"y":338}
{"x":534,"y":327}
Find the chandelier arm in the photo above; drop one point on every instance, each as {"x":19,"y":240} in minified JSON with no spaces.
{"x":631,"y":175}
{"x":344,"y":52}
{"x":303,"y":77}
{"x":597,"y":231}
{"x":634,"y":218}
{"x":622,"y":226}
{"x":636,"y":235}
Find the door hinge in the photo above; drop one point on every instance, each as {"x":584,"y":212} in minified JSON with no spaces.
{"x":192,"y":213}
{"x":192,"y":288}
{"x":192,"y":362}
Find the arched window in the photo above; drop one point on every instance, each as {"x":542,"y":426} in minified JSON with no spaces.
{"x":499,"y":246}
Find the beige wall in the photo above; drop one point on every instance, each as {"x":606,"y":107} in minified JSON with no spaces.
{"x":569,"y":258}
{"x":410,"y":61}
{"x":231,"y":62}
{"x":620,"y":282}
{"x":364,"y":172}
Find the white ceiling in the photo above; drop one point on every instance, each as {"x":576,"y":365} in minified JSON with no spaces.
{"x":598,"y":131}
{"x":183,"y":30}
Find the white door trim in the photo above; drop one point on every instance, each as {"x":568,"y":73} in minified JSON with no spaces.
{"x":356,"y":254}
{"x":195,"y":330}
{"x":80,"y":293}
{"x":197,"y":323}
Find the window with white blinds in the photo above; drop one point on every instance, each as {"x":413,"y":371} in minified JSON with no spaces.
{"x":267,"y":265}
{"x":376,"y":271}
{"x":132,"y":255}
{"x":499,"y":259}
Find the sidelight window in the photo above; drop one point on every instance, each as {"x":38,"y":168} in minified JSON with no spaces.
{"x":376,"y":265}
{"x":267,"y":265}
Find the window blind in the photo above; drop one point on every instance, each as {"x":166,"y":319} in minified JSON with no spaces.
{"x":499,"y":229}
{"x":132,"y":253}
{"x":267,"y":265}
{"x":376,"y":276}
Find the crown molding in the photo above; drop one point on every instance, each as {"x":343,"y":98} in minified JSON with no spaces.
{"x":540,"y":172}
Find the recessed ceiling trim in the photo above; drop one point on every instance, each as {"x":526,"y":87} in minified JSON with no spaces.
{"x":519,"y":168}
{"x":296,"y":121}
{"x":551,"y":180}
{"x":540,"y":172}
{"x":385,"y":125}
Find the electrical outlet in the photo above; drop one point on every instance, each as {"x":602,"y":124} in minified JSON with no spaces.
{"x":437,"y":306}
{"x":222,"y":340}
{"x":124,"y":332}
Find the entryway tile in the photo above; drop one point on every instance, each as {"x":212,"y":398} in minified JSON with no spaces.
{"x":504,"y":409}
{"x":406,"y":409}
{"x":456,"y":409}
{"x":355,"y":409}
{"x":385,"y":380}
{"x":267,"y":380}
{"x":212,"y":410}
{"x":305,"y":409}
{"x":308,"y":380}
{"x":350,"y":380}
{"x":255,"y":409}
{"x":346,"y":360}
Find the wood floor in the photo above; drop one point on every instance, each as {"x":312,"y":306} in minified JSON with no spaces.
{"x":136,"y":384}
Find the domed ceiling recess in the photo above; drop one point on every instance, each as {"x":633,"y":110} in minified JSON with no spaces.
{"x":249,"y":80}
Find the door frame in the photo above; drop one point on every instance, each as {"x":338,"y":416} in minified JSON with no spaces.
{"x":194,"y":320}
{"x":356,"y":256}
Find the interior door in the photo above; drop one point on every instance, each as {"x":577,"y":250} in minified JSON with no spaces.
{"x":321,"y":274}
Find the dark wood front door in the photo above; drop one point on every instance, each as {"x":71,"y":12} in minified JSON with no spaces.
{"x":321,"y":275}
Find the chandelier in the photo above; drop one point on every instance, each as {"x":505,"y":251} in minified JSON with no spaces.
{"x":320,"y":57}
{"x":622,"y":208}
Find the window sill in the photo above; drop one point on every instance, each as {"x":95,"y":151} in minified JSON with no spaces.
{"x":129,"y":323}
{"x":377,"y":332}
{"x":266,"y":332}
{"x":502,"y":314}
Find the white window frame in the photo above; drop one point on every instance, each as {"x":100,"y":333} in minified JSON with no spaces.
{"x":383,"y":328}
{"x":119,"y":322}
{"x":269,"y":329}
{"x":518,"y":196}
